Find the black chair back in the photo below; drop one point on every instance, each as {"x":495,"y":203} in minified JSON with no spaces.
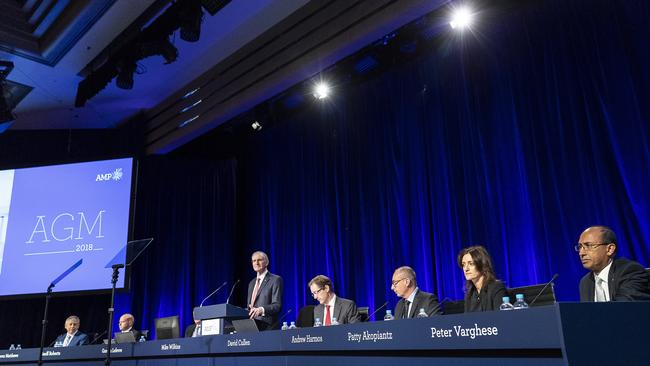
{"x":363,"y":313}
{"x":305,"y":317}
{"x":453,"y":307}
{"x":545,"y":298}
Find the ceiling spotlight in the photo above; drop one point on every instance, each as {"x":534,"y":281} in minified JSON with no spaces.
{"x":256,"y":126}
{"x":462,"y":18}
{"x":321,"y":90}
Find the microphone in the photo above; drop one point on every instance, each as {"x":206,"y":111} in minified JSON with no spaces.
{"x":376,"y":310}
{"x":280,"y":319}
{"x":231,"y":291}
{"x":213,"y":292}
{"x":542,"y":290}
{"x":98,"y":336}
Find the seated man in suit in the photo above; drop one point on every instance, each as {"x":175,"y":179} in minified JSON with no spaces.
{"x":72,"y":337}
{"x":610,"y":278}
{"x":329,"y":305}
{"x":265,"y":293}
{"x":412,"y":299}
{"x":126,"y":325}
{"x":193,"y":330}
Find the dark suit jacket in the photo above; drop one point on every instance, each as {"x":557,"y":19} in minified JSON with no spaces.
{"x":491,"y":297}
{"x":269,"y":297}
{"x":422,"y":300}
{"x":627,"y":281}
{"x":79,"y":339}
{"x":190,"y":330}
{"x":345,"y":311}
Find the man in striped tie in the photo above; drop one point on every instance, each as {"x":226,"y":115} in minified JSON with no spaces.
{"x":265,"y":293}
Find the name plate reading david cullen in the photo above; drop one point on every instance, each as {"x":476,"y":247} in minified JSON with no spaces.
{"x":239,"y":342}
{"x":464,"y":332}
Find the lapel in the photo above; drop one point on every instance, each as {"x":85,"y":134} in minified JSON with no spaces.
{"x":611,"y":277}
{"x":337,"y":309}
{"x":591,"y":288}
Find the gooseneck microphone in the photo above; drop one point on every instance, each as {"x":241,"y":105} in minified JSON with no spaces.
{"x":98,"y":336}
{"x":542,"y":290}
{"x":231,"y":291}
{"x":280,"y":319}
{"x":213,"y":292}
{"x":376,"y":310}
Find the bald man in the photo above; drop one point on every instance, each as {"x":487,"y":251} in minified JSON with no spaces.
{"x":126,"y":325}
{"x":610,"y":278}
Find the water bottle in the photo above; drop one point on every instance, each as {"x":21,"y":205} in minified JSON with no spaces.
{"x":506,"y":304}
{"x":520,"y":303}
{"x":422,"y":314}
{"x":142,"y":339}
{"x":389,"y":315}
{"x":19,"y":346}
{"x":317,"y":322}
{"x":284,"y":326}
{"x":292,"y":325}
{"x":334,"y":321}
{"x":12,"y":347}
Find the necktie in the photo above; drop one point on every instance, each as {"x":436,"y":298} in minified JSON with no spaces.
{"x":600,"y":290}
{"x":328,"y":318}
{"x":406,"y":309}
{"x":197,"y":331}
{"x":66,"y":342}
{"x":255,"y":290}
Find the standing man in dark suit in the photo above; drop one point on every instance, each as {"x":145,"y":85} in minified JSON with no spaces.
{"x":611,"y":278}
{"x":404,"y":285}
{"x":265,"y":293}
{"x":126,"y":325}
{"x":72,"y":337}
{"x":329,"y":305}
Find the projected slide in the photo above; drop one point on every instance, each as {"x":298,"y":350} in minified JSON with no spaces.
{"x":52,"y":216}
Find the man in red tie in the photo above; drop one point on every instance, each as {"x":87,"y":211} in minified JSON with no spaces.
{"x":265,"y":293}
{"x":329,"y":305}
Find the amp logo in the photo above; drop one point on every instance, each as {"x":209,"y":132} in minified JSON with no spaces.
{"x":115,"y":175}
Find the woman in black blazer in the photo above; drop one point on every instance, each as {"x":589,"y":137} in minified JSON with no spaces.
{"x":483,"y":292}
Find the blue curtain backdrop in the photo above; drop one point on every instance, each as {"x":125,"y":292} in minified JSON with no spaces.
{"x":188,"y":207}
{"x":516,"y":136}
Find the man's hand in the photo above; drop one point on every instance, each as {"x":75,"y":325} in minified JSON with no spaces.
{"x":256,"y":312}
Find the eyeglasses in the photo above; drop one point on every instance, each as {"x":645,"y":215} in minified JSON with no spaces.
{"x":588,"y":246}
{"x":316,"y":292}
{"x":394,"y":283}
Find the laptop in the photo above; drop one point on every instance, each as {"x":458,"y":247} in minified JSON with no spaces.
{"x":245,"y":326}
{"x":127,"y":337}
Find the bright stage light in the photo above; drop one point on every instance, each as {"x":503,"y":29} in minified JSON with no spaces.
{"x":462,"y":18}
{"x":321,"y":90}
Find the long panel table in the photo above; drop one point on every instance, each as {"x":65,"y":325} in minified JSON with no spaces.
{"x":561,"y":334}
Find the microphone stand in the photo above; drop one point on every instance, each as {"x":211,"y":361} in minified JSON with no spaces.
{"x":48,"y":295}
{"x":111,"y":310}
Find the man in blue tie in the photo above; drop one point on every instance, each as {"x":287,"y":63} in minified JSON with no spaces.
{"x":72,"y":337}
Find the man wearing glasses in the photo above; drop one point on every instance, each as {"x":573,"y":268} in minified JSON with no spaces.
{"x":611,"y":278}
{"x":331,"y":307}
{"x":412,"y":299}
